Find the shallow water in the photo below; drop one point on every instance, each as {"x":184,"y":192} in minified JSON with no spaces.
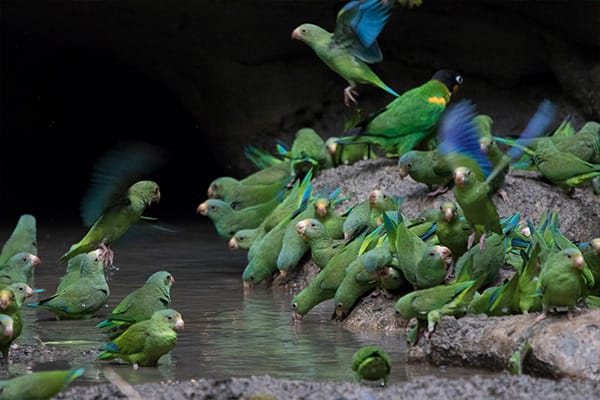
{"x":227,"y":332}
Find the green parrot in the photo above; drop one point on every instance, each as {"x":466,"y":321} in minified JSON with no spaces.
{"x":22,"y":239}
{"x":410,"y":119}
{"x":116,"y":219}
{"x":562,"y":169}
{"x":40,"y":385}
{"x":346,"y":154}
{"x":140,"y":304}
{"x":352,"y":46}
{"x":325,"y":284}
{"x":322,"y":245}
{"x":472,"y":169}
{"x":86,"y":261}
{"x":407,"y":246}
{"x":591,"y":254}
{"x":294,"y":203}
{"x":12,"y":298}
{"x":263,"y":263}
{"x":428,"y":167}
{"x":294,"y":246}
{"x":228,"y":221}
{"x":452,"y":229}
{"x":7,"y":335}
{"x":356,"y":282}
{"x":428,"y":305}
{"x":486,"y":262}
{"x":18,"y":269}
{"x":145,"y":342}
{"x":309,"y":151}
{"x":434,"y":268}
{"x":371,"y":363}
{"x":243,"y":239}
{"x":83,"y":297}
{"x":367,"y":214}
{"x":562,"y":280}
{"x":239,"y":195}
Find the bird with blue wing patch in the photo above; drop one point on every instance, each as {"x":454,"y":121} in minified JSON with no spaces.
{"x":472,"y":169}
{"x":352,"y":45}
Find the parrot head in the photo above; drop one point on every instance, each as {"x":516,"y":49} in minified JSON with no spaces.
{"x":321,"y":206}
{"x":448,"y":210}
{"x":574,"y":257}
{"x":309,"y":33}
{"x":462,"y":176}
{"x":452,"y":79}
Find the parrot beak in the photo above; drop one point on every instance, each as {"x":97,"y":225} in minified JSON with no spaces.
{"x":340,"y":313}
{"x":157,"y":196}
{"x":526,"y":231}
{"x":301,"y":227}
{"x":296,"y":34}
{"x":233,"y":244}
{"x":172,"y":280}
{"x":579,"y":262}
{"x":283,"y":274}
{"x":321,"y":209}
{"x":403,"y":172}
{"x":459,"y":178}
{"x":28,"y":292}
{"x":202,"y":209}
{"x":448,"y":214}
{"x":4,"y":299}
{"x":373,"y":196}
{"x":179,"y":324}
{"x":443,"y":251}
{"x":247,"y":285}
{"x":346,"y":236}
{"x":35,"y":260}
{"x":455,"y":89}
{"x":332,"y":147}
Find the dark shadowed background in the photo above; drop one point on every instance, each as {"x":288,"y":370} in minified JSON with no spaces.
{"x":205,"y":78}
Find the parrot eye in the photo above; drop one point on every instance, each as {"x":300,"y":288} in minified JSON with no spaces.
{"x":568,"y":256}
{"x":432,"y":254}
{"x":294,"y":305}
{"x":303,"y":30}
{"x":409,"y":165}
{"x":313,"y":224}
{"x":459,"y":79}
{"x":169,"y":318}
{"x":339,"y":305}
{"x":213,"y":207}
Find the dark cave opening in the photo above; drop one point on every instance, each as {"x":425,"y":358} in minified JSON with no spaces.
{"x":64,"y":108}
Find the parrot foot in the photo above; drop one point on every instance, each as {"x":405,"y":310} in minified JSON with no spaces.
{"x":470,"y":240}
{"x":439,"y":190}
{"x":482,"y":242}
{"x":503,"y":195}
{"x":540,"y":317}
{"x":349,"y":98}
{"x":107,"y":255}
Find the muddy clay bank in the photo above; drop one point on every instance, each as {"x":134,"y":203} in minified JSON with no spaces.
{"x":560,"y":347}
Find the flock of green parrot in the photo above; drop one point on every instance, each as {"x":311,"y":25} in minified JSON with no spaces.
{"x":448,"y":260}
{"x":445,"y":262}
{"x":141,"y":328}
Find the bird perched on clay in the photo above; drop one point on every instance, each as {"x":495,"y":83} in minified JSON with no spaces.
{"x":12,"y":298}
{"x":472,"y":169}
{"x":352,"y":46}
{"x":371,"y":363}
{"x":408,"y":121}
{"x":140,"y":304}
{"x":22,"y":239}
{"x":39,"y":385}
{"x":83,"y":297}
{"x":145,"y":342}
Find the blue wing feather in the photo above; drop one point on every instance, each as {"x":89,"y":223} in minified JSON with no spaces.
{"x":459,"y":135}
{"x":369,"y":21}
{"x":538,"y":124}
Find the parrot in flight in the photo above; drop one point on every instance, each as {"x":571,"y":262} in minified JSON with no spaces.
{"x":352,"y":46}
{"x":473,"y":171}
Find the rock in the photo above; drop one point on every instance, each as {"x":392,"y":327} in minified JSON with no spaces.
{"x":560,"y":347}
